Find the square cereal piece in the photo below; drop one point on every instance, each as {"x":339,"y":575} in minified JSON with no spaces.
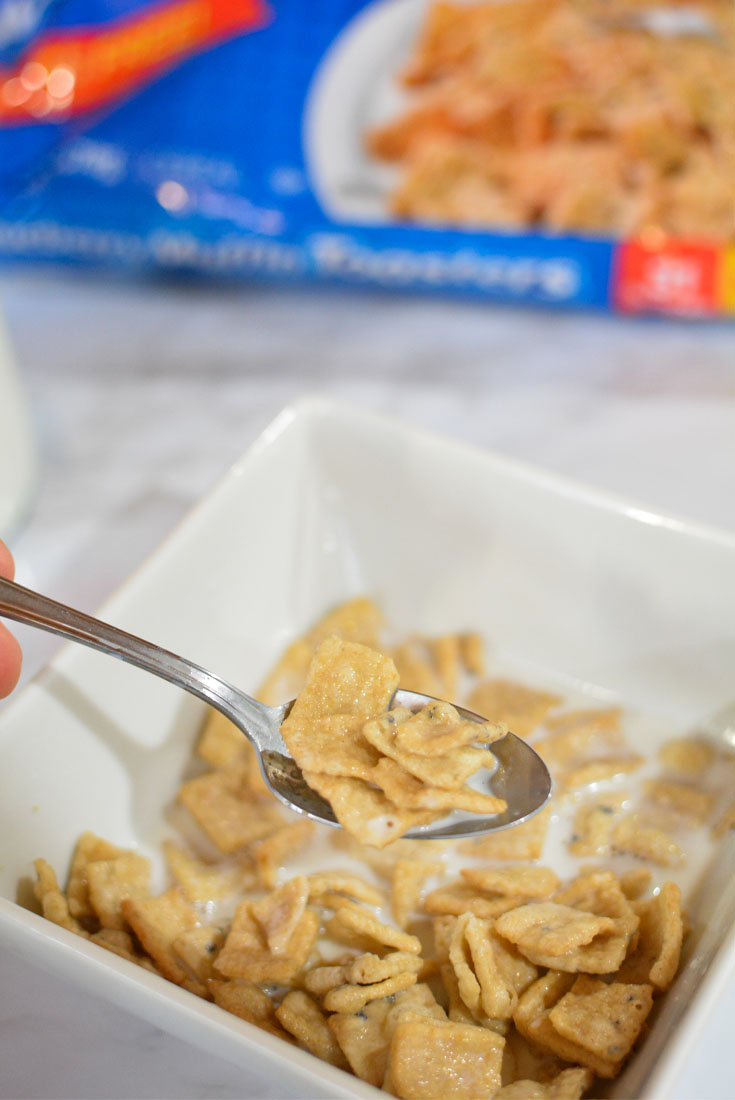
{"x":515,"y":705}
{"x":656,"y":952}
{"x":363,"y":1040}
{"x":368,"y":968}
{"x":532,"y":1021}
{"x":437,"y":728}
{"x":54,"y":905}
{"x":157,"y":922}
{"x":245,"y":953}
{"x":441,"y":1060}
{"x":549,"y":929}
{"x":457,"y":897}
{"x":518,"y":881}
{"x":636,"y":835}
{"x":483,"y":985}
{"x":579,"y":732}
{"x":226,"y":811}
{"x":570,"y":1084}
{"x":353,"y":886}
{"x":600,"y":892}
{"x":221,"y":743}
{"x":206,"y":882}
{"x":417,"y":1000}
{"x":406,"y":791}
{"x":121,"y":943}
{"x":320,"y":979}
{"x":344,"y":678}
{"x":110,"y":881}
{"x":450,"y":771}
{"x":196,"y":950}
{"x":409,"y":876}
{"x":605,"y":1019}
{"x":249,"y":1002}
{"x":364,"y":811}
{"x":351,"y":926}
{"x":599,"y":769}
{"x":301,"y":1016}
{"x":333,"y":744}
{"x":692,"y":804}
{"x":522,"y":842}
{"x":280,"y":912}
{"x":593,"y":825}
{"x":472,"y":653}
{"x":687,"y":756}
{"x":279,"y":847}
{"x":445,"y":656}
{"x":88,"y":848}
{"x":353,"y":998}
{"x":442,"y":930}
{"x":635,"y":881}
{"x":415,"y":671}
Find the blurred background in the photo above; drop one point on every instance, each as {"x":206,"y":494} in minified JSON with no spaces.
{"x":146,"y":344}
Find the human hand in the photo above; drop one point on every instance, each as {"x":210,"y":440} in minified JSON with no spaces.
{"x":10,"y":654}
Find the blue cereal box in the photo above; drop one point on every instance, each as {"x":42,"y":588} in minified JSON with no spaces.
{"x":561,"y":152}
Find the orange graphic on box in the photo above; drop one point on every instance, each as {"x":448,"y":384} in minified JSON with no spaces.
{"x":71,"y":71}
{"x":676,"y":276}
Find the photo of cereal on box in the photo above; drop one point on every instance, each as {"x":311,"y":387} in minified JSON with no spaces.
{"x":569,"y":153}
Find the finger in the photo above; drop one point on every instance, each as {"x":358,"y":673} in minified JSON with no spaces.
{"x":10,"y":661}
{"x":7,"y":565}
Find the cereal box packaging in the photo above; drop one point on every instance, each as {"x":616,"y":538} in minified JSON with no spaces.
{"x":574,"y":153}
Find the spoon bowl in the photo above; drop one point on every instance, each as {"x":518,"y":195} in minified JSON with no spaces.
{"x":515,"y":772}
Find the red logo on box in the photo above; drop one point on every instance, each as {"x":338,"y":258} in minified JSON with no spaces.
{"x":669,"y":276}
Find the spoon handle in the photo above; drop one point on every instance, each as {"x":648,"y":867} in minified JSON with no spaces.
{"x":25,"y":606}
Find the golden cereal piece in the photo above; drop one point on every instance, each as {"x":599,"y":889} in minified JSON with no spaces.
{"x":655,"y":956}
{"x":54,"y":905}
{"x":88,"y":848}
{"x":532,"y":1019}
{"x":279,"y":913}
{"x":352,"y":998}
{"x":441,"y":1060}
{"x":368,"y":968}
{"x":221,"y":743}
{"x":475,"y":955}
{"x":409,"y":875}
{"x":472,"y":653}
{"x":225,"y":811}
{"x":121,"y":943}
{"x":366,"y":812}
{"x":450,"y":771}
{"x":320,"y":979}
{"x":279,"y":847}
{"x":593,"y":825}
{"x":547,"y":928}
{"x":363,"y":1040}
{"x":158,"y":922}
{"x":110,"y":881}
{"x":415,"y":672}
{"x":687,"y":755}
{"x":637,"y":836}
{"x":196,"y":950}
{"x":246,"y":954}
{"x":457,"y":897}
{"x":512,"y":704}
{"x":333,"y":745}
{"x":355,"y":925}
{"x":344,"y":679}
{"x":604,"y":767}
{"x":522,"y":842}
{"x":518,"y":881}
{"x":205,"y":882}
{"x":605,"y":1019}
{"x":692,"y":804}
{"x":570,"y":1084}
{"x":406,"y":791}
{"x":457,"y":1010}
{"x":249,"y":1002}
{"x":437,"y":728}
{"x":445,"y":655}
{"x":351,"y":885}
{"x":300,"y":1015}
{"x":443,"y":929}
{"x":635,"y":881}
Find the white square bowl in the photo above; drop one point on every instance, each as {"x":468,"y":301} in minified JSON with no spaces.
{"x":568,"y":583}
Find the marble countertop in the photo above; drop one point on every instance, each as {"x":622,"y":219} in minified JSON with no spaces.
{"x":142,"y":394}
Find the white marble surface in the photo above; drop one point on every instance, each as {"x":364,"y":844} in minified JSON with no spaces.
{"x":143,"y":394}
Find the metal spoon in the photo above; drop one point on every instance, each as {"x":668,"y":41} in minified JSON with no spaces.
{"x":518,"y":774}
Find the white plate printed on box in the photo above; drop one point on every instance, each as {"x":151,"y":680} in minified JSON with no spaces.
{"x":568,"y":584}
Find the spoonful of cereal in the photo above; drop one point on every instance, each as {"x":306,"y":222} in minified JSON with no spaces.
{"x":352,"y":750}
